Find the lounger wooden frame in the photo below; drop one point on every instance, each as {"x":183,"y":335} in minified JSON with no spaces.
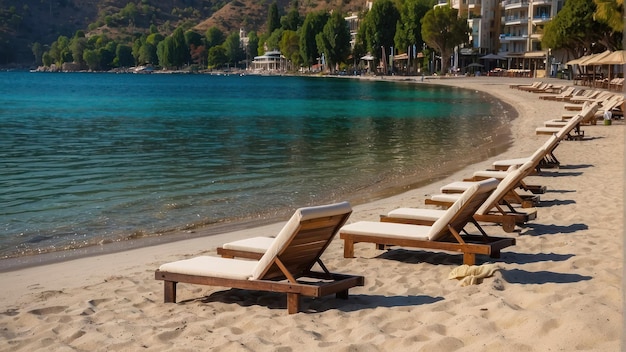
{"x":289,"y":271}
{"x":449,"y":237}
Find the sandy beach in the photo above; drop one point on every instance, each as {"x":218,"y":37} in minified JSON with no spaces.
{"x":559,"y":289}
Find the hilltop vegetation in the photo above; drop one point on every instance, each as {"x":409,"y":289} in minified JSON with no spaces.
{"x":26,"y":22}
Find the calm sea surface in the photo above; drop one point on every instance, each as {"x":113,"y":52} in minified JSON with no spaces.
{"x":87,"y":159}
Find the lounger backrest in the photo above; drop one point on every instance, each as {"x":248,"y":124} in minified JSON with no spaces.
{"x":588,"y":110}
{"x":463,"y":209}
{"x":548,"y":146}
{"x":302,"y":240}
{"x":510,"y":182}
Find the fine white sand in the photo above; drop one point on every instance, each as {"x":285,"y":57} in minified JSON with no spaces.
{"x":558,"y":289}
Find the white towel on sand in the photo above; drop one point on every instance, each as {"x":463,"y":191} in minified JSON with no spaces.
{"x":472,"y":275}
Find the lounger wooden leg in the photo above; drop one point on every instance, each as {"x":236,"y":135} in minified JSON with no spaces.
{"x":293,"y":303}
{"x":342,"y":294}
{"x":469,"y":258}
{"x":169,"y":291}
{"x":508,"y":224}
{"x":348,"y":249}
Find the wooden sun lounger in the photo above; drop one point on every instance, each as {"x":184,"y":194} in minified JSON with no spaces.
{"x":571,"y":131}
{"x":285,"y":267}
{"x":444,"y":234}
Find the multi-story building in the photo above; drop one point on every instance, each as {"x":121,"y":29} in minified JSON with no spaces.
{"x":523,"y":22}
{"x":512,"y":29}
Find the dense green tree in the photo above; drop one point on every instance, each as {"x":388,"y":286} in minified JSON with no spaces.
{"x":154,"y":39}
{"x":193,"y":38}
{"x":217,"y":57}
{"x":232,"y":49}
{"x":442,"y":30}
{"x":380,"y":27}
{"x":273,"y":41}
{"x":78,"y":44}
{"x":291,"y":21}
{"x":290,"y":47}
{"x":575,"y":30}
{"x":60,"y":50}
{"x":409,"y":28}
{"x":165,"y":53}
{"x":253,"y":45}
{"x":214,"y":36}
{"x":314,"y":23}
{"x":273,"y":18}
{"x":129,"y":13}
{"x":180,"y":53}
{"x":334,"y":40}
{"x":47,"y":59}
{"x":147,"y":54}
{"x":92,"y":59}
{"x":610,"y":12}
{"x":124,"y":56}
{"x":37,"y":50}
{"x":107,"y":55}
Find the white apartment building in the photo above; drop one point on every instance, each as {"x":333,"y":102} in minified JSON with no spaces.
{"x":512,"y":29}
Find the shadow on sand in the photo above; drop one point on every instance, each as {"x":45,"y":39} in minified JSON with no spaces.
{"x":518,"y":276}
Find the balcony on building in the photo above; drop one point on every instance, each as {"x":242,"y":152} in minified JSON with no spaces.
{"x":515,"y":20}
{"x":513,"y":38}
{"x":514,"y":4}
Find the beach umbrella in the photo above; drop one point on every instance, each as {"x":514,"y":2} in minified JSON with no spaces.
{"x":615,"y":58}
{"x":595,"y":59}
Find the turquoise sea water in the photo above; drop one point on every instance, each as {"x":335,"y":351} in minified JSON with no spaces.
{"x":91,"y":158}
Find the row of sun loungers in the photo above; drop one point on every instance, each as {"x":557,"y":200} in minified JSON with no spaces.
{"x":285,"y":263}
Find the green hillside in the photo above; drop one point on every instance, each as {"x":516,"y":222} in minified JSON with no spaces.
{"x":25,"y":22}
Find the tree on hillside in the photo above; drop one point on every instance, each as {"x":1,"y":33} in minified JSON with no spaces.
{"x":442,"y":30}
{"x":334,"y":40}
{"x":253,"y":45}
{"x":165,"y":53}
{"x":60,"y":51}
{"x":217,"y":57}
{"x":313,"y":24}
{"x":273,"y":41}
{"x":291,"y":21}
{"x":180,"y":55}
{"x":124,"y":56}
{"x":380,"y":28}
{"x":232,"y":49}
{"x":78,"y":44}
{"x":290,"y":47}
{"x":273,"y":18}
{"x":37,"y":50}
{"x":214,"y":36}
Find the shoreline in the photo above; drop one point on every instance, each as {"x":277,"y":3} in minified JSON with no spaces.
{"x":559,"y":288}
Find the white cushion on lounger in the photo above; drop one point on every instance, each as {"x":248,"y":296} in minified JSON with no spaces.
{"x":419,"y":232}
{"x":388,"y":229}
{"x":510,"y":162}
{"x":254,"y":244}
{"x":457,"y":187}
{"x":491,"y":173}
{"x":446,"y":197}
{"x":212,"y":266}
{"x":417,"y":214}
